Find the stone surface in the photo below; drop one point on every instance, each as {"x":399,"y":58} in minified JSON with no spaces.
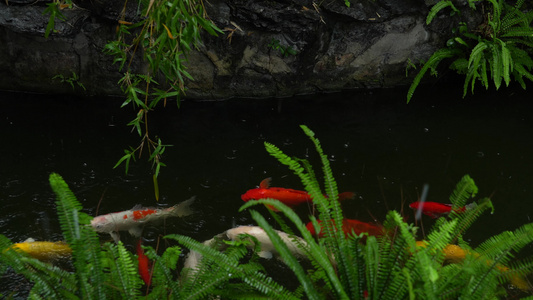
{"x":366,"y":45}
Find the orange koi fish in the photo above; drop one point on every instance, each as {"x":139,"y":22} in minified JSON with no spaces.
{"x":134,"y":219}
{"x":435,"y":209}
{"x":144,"y":264}
{"x":289,"y":197}
{"x":349,"y":226}
{"x":455,"y":254}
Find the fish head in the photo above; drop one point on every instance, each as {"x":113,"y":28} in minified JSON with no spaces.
{"x":102,"y":224}
{"x":414,"y":205}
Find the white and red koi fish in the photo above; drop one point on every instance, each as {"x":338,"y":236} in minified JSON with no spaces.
{"x":268,"y":250}
{"x":133,"y":220}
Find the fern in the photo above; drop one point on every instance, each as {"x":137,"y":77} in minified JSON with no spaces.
{"x":494,"y":49}
{"x":465,"y":189}
{"x":316,"y":253}
{"x":84,"y":242}
{"x":437,"y":8}
{"x":122,"y":270}
{"x":230,"y":265}
{"x":432,"y":63}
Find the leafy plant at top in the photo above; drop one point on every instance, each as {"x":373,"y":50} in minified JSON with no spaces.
{"x":285,"y":50}
{"x":499,"y":49}
{"x":70,"y":80}
{"x":164,"y":35}
{"x":54,"y":9}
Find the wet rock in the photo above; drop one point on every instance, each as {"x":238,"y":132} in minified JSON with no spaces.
{"x":270,"y":48}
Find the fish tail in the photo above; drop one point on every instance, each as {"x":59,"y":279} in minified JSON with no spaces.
{"x":470,"y":206}
{"x":346,"y":196}
{"x":183,"y":209}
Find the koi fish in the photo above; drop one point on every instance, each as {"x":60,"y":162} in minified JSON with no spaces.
{"x":455,"y":254}
{"x":267,"y":248}
{"x":43,"y":250}
{"x":289,"y":197}
{"x":235,"y":234}
{"x":435,"y":209}
{"x":349,"y":226}
{"x":134,"y":219}
{"x":144,"y":264}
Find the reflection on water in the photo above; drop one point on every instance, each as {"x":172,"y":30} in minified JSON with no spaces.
{"x":379,"y":147}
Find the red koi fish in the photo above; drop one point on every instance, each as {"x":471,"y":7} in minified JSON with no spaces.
{"x":435,"y":209}
{"x":144,"y":264}
{"x":289,"y":197}
{"x":134,"y":219}
{"x":349,"y":225}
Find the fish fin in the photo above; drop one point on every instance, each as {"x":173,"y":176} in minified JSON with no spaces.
{"x":265,"y":184}
{"x":272,"y":208}
{"x":115,"y":235}
{"x":183,"y":209}
{"x":137,"y":207}
{"x":265,"y":254}
{"x":472,"y":205}
{"x":29,"y":240}
{"x":346,"y":196}
{"x":136,"y":231}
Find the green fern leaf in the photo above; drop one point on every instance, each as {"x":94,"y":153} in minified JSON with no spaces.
{"x":496,"y":65}
{"x":81,"y":238}
{"x":315,"y":252}
{"x":437,"y":8}
{"x":507,"y":63}
{"x":432,"y":62}
{"x":465,"y":189}
{"x":122,"y":270}
{"x":289,"y":258}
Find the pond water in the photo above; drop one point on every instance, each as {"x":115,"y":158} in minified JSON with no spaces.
{"x":380,"y":148}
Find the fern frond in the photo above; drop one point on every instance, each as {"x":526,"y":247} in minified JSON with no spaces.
{"x":523,"y":32}
{"x":288,"y":258}
{"x":496,"y":65}
{"x":432,"y":62}
{"x":467,"y":217}
{"x":507,"y":62}
{"x":435,"y":9}
{"x":253,"y":278}
{"x":83,"y":240}
{"x":394,"y":252}
{"x":122,"y":270}
{"x":465,"y":189}
{"x":316,"y":253}
{"x":68,"y":208}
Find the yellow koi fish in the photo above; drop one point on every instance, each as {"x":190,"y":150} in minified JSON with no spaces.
{"x":455,"y":254}
{"x":43,"y":250}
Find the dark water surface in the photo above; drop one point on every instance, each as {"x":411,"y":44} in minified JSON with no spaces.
{"x":379,"y":147}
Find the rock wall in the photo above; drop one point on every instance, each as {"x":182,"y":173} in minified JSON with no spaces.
{"x":365,"y":46}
